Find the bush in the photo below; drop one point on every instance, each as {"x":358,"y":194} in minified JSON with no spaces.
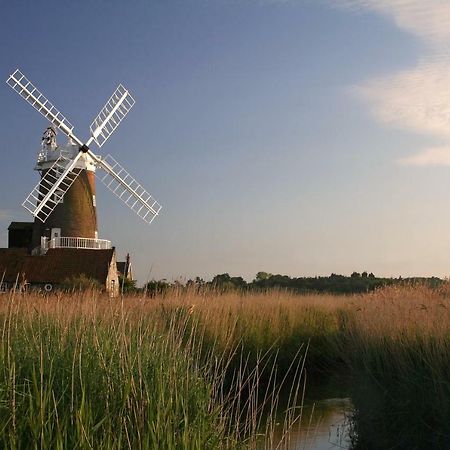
{"x":81,"y":282}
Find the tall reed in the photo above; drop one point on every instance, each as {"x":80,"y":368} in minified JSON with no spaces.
{"x":86,"y":371}
{"x":394,"y":343}
{"x":199,"y":369}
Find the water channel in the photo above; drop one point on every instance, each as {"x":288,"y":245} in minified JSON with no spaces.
{"x":325,"y":420}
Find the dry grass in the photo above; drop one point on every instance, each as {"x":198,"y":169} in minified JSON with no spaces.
{"x":215,"y":360}
{"x":394,"y":342}
{"x":82,"y":370}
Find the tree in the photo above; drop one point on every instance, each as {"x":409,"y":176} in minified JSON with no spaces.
{"x":221,"y":279}
{"x":223,"y":282}
{"x":127,"y":285}
{"x":154,"y":287}
{"x":260,"y":276}
{"x":199,"y":281}
{"x":238,"y":282}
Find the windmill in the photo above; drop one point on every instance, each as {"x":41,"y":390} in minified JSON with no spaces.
{"x":63,"y":203}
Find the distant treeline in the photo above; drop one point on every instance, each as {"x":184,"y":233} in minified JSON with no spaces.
{"x":333,"y":284}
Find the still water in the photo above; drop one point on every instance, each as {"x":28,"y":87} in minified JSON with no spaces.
{"x":325,"y":422}
{"x":324,"y":426}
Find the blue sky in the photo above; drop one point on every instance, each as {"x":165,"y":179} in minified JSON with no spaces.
{"x":296,"y":137}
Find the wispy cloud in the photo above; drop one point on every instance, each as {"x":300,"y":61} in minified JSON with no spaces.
{"x":427,"y":19}
{"x":417,"y":99}
{"x":437,"y":156}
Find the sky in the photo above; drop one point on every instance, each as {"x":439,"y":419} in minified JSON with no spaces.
{"x":295,"y":137}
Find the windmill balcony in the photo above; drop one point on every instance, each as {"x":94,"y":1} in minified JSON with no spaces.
{"x":75,"y":242}
{"x":50,"y":154}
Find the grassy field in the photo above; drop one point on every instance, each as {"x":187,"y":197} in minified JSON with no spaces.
{"x":396,"y":343}
{"x":82,"y":370}
{"x":195,"y":369}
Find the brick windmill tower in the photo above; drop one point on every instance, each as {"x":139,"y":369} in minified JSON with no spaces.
{"x":75,"y":212}
{"x":63,"y":203}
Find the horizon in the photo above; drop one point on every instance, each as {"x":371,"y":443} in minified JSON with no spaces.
{"x":299,"y":138}
{"x":354,"y":274}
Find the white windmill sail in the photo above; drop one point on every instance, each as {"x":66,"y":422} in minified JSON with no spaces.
{"x":109,"y":118}
{"x":44,"y":198}
{"x":46,"y":195}
{"x":125,"y":187}
{"x":26,"y":89}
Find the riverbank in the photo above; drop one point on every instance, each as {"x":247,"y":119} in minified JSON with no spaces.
{"x":393,"y":343}
{"x":198,"y":369}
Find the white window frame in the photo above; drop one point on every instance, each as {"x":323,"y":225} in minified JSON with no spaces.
{"x":58,"y":196}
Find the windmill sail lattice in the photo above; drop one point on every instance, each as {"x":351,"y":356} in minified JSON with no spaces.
{"x":46,"y":195}
{"x":124,"y":186}
{"x":58,"y":179}
{"x":26,"y":89}
{"x":109,"y":118}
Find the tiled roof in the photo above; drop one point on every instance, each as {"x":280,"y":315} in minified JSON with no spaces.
{"x":11,"y":263}
{"x":56,"y":265}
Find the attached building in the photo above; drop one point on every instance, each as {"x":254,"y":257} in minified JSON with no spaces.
{"x":125,"y":269}
{"x":20,"y":235}
{"x":56,"y":267}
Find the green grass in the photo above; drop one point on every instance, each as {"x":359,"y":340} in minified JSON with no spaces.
{"x":201,"y":370}
{"x":83,"y":371}
{"x":88,"y":384}
{"x":397,"y":348}
{"x":394,"y":343}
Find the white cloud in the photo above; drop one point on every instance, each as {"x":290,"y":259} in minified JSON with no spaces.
{"x":416,"y":99}
{"x":436,"y":156}
{"x":428,"y":19}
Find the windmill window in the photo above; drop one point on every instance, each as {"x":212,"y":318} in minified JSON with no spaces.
{"x":58,"y":196}
{"x":3,"y":287}
{"x":94,"y":201}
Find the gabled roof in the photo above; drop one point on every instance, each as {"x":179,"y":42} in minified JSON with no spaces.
{"x":121,"y":265}
{"x":125,"y":269}
{"x":56,"y":265}
{"x":21,"y":226}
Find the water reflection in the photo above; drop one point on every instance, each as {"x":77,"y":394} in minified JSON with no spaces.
{"x":325,"y":416}
{"x":324,"y":425}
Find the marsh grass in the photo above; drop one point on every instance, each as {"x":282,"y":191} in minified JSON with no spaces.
{"x":394,"y":343}
{"x":81,"y":370}
{"x":199,"y":369}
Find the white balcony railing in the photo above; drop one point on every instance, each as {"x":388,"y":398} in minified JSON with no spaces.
{"x":76,"y":242}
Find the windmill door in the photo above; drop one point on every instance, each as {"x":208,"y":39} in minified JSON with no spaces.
{"x":56,"y":233}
